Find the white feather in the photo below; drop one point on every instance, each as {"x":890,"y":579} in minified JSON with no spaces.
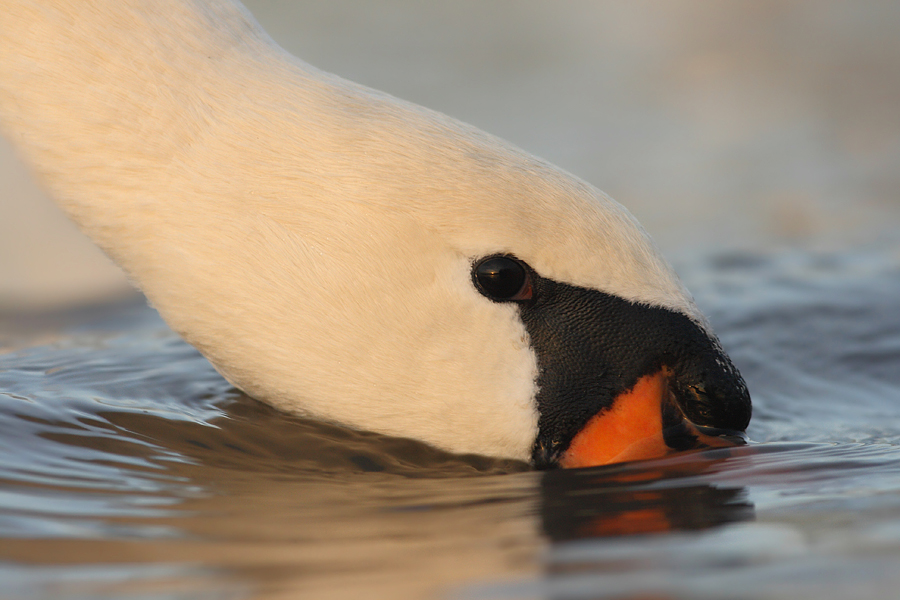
{"x":312,"y":237}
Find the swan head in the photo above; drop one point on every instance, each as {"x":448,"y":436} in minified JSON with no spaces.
{"x":429,"y":281}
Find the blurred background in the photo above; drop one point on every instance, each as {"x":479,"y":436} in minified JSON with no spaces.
{"x":739,"y":127}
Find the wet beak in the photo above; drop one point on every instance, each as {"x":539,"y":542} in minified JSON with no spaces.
{"x":644,"y":422}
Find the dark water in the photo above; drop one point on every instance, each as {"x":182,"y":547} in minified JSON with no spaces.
{"x":132,"y":470}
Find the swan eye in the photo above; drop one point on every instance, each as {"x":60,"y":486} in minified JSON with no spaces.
{"x":503,"y":278}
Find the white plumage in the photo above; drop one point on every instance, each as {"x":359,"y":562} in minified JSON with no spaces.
{"x":312,"y":237}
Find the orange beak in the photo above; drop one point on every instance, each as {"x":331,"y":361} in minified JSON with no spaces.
{"x":633,"y":428}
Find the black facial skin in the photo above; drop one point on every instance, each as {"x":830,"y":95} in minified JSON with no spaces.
{"x":592,"y":346}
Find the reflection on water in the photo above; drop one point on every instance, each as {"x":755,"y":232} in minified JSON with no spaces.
{"x":642,"y":498}
{"x":132,"y":469}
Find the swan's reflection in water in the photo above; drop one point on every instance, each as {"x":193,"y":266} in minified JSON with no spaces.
{"x":640,"y":498}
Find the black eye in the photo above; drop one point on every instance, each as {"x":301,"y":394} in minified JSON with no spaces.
{"x":502,"y":278}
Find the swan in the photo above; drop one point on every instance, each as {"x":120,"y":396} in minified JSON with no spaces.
{"x":346,"y":255}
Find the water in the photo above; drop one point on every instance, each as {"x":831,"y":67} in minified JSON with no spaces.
{"x":132,"y":470}
{"x":760,"y":145}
